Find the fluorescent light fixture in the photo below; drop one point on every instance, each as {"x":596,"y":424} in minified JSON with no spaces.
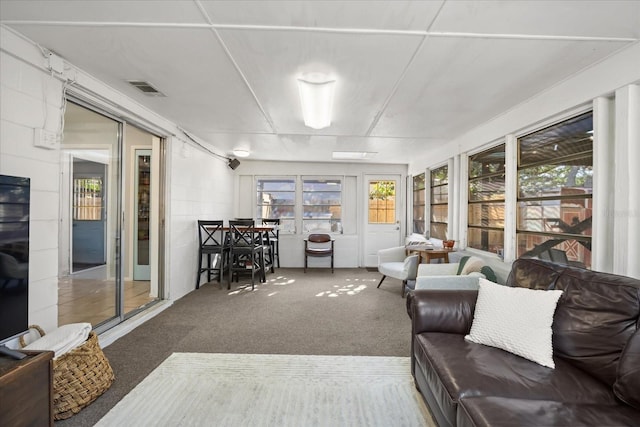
{"x":316,"y":97}
{"x":353,"y":155}
{"x":241,"y":152}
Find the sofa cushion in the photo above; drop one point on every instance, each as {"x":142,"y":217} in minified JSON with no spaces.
{"x":627,"y":385}
{"x":534,"y":274}
{"x":488,"y":273}
{"x":392,"y":269}
{"x":595,"y":318}
{"x":469,"y":264}
{"x":456,"y":368}
{"x":517,"y":320}
{"x":503,"y":412}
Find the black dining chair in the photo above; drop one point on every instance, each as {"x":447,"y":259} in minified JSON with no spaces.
{"x":246,"y":251}
{"x":318,"y":245}
{"x":212,"y":244}
{"x":274,"y":237}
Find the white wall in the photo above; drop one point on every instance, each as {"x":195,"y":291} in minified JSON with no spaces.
{"x":198,"y":186}
{"x":602,"y":79}
{"x":30,"y":99}
{"x":202,"y":187}
{"x":348,"y":246}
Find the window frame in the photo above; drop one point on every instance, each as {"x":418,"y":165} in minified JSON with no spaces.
{"x":432,"y":202}
{"x":335,"y":224}
{"x":87,"y":204}
{"x":260,"y":206}
{"x":419,"y":206}
{"x":495,"y":203}
{"x":558,"y":160}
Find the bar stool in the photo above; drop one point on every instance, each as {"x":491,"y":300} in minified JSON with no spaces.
{"x":246,"y":251}
{"x":212,"y":244}
{"x":274,"y":237}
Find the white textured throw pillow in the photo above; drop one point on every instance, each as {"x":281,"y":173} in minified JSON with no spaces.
{"x":517,"y":320}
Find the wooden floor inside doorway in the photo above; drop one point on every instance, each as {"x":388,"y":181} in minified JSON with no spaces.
{"x":93,"y":300}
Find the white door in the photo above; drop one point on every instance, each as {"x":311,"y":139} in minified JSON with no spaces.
{"x":383,"y":198}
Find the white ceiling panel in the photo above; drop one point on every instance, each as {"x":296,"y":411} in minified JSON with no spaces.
{"x":365,"y":68}
{"x":203,"y":89}
{"x":380,"y":15}
{"x":458,"y":82}
{"x":288,"y":147}
{"x":593,"y":18}
{"x":410,"y":74}
{"x":114,"y":11}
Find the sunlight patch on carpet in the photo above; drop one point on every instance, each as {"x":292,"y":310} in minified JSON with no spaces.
{"x":195,"y":389}
{"x":342,"y":290}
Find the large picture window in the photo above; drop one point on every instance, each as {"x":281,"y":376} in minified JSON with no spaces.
{"x":321,"y":205}
{"x":277,"y":199}
{"x":439,"y":203}
{"x":487,"y":199}
{"x":419,"y":203}
{"x":555,"y":188}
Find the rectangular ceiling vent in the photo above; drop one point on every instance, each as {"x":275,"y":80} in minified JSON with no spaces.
{"x":145,"y":87}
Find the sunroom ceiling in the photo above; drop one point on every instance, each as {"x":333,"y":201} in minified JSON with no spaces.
{"x":410,"y":75}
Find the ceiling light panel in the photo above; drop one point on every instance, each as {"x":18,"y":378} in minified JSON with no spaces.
{"x":352,"y":58}
{"x":241,"y":152}
{"x":316,"y":98}
{"x":353,"y":155}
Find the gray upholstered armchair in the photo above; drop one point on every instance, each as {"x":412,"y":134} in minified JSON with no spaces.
{"x":394,"y":262}
{"x":463,"y":275}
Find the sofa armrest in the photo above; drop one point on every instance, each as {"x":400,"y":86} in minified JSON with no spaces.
{"x":397,"y":254}
{"x":448,"y":282}
{"x":441,"y":310}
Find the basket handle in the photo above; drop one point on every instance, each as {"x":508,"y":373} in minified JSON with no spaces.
{"x":41,"y":331}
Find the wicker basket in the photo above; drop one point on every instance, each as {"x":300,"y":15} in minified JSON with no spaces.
{"x":79,"y":377}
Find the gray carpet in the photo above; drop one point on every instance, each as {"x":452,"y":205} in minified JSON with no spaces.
{"x":293,"y":313}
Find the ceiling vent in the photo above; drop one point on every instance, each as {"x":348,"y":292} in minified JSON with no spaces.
{"x":145,"y":87}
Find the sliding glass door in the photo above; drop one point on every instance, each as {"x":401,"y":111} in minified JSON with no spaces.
{"x":90,"y":232}
{"x":110,"y":211}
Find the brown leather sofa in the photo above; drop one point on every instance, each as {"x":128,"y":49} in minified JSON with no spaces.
{"x":596,"y":350}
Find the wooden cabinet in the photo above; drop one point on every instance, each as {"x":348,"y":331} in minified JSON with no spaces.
{"x":26,"y":390}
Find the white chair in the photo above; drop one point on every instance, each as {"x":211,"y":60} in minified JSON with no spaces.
{"x":394,"y":262}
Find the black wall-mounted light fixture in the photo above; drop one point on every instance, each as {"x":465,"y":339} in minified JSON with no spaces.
{"x":234,"y":163}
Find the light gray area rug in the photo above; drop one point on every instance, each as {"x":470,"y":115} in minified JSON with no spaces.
{"x":214,"y":389}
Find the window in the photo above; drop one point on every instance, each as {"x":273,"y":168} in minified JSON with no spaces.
{"x":439,"y":203}
{"x":419,"y":203}
{"x":321,"y":205}
{"x":382,"y":202}
{"x":555,"y":188}
{"x":486,"y":200}
{"x":87,"y":199}
{"x":277,"y":199}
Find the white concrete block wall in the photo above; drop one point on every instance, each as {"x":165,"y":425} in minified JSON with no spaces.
{"x":199,"y":186}
{"x":202,"y":187}
{"x":31,"y":99}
